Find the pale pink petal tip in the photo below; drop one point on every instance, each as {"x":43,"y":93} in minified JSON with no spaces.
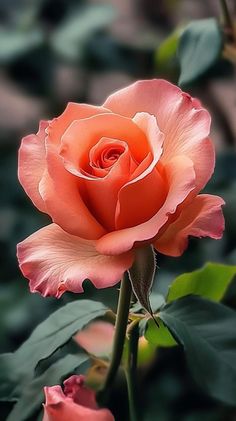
{"x":31,"y":164}
{"x":97,"y":338}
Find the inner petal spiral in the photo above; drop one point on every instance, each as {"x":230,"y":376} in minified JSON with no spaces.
{"x":106,"y":152}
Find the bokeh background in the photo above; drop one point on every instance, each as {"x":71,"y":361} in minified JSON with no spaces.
{"x":52,"y":52}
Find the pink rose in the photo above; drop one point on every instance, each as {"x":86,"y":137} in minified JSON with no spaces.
{"x":115,"y":177}
{"x":75,"y":403}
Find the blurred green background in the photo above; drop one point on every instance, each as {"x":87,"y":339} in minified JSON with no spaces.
{"x":52,"y":52}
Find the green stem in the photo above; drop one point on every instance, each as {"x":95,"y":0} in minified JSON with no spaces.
{"x":120,"y":333}
{"x":131,"y":372}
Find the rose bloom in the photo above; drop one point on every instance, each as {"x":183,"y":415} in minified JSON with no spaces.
{"x":75,"y":403}
{"x":113,"y":178}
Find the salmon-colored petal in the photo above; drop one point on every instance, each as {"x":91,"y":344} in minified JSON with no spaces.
{"x":97,"y":338}
{"x":140,"y":201}
{"x":107,"y":186}
{"x":32,"y":164}
{"x":55,"y":261}
{"x":180,"y":177}
{"x":104,"y":155}
{"x":155,"y":138}
{"x":59,"y":407}
{"x":143,"y":195}
{"x":181,"y":118}
{"x":61,"y":191}
{"x":65,"y":199}
{"x":202,"y":218}
{"x":72,"y":112}
{"x":82,"y":135}
{"x":102,"y":192}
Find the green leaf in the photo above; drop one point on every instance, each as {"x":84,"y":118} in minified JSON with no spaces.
{"x":210,"y":282}
{"x":13,"y":43}
{"x":199,"y":48}
{"x":70,"y":38}
{"x":159,"y":336}
{"x":48,"y":336}
{"x":207,"y":332}
{"x":142,"y":274}
{"x":8,"y":378}
{"x":166,"y":54}
{"x":33,"y":395}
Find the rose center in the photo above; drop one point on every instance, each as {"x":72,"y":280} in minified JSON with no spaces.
{"x":106,"y":152}
{"x":109,"y":156}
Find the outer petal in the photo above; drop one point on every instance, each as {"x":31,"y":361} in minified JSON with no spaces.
{"x":72,"y":112}
{"x":181,"y":181}
{"x":181,"y":118}
{"x":155,"y":97}
{"x":58,"y":407}
{"x":64,"y":197}
{"x":202,"y":218}
{"x":59,"y":189}
{"x":55,"y":261}
{"x":32,"y":164}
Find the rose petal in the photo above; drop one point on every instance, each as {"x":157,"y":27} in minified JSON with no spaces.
{"x":181,"y":180}
{"x":32,"y":164}
{"x":148,"y":124}
{"x":82,"y":135}
{"x":59,"y":189}
{"x":142,"y":197}
{"x":108,"y":187}
{"x":181,"y":118}
{"x":72,"y":112}
{"x":79,"y":140}
{"x":64,"y":197}
{"x":97,"y":338}
{"x":75,"y":388}
{"x":202,"y":218}
{"x":59,"y":407}
{"x":55,"y":261}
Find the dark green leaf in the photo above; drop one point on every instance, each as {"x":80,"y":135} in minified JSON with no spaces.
{"x":199,"y":48}
{"x":33,"y":395}
{"x":142,"y":274}
{"x":54,"y":332}
{"x":207,"y":332}
{"x":8,"y":377}
{"x":210,"y":282}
